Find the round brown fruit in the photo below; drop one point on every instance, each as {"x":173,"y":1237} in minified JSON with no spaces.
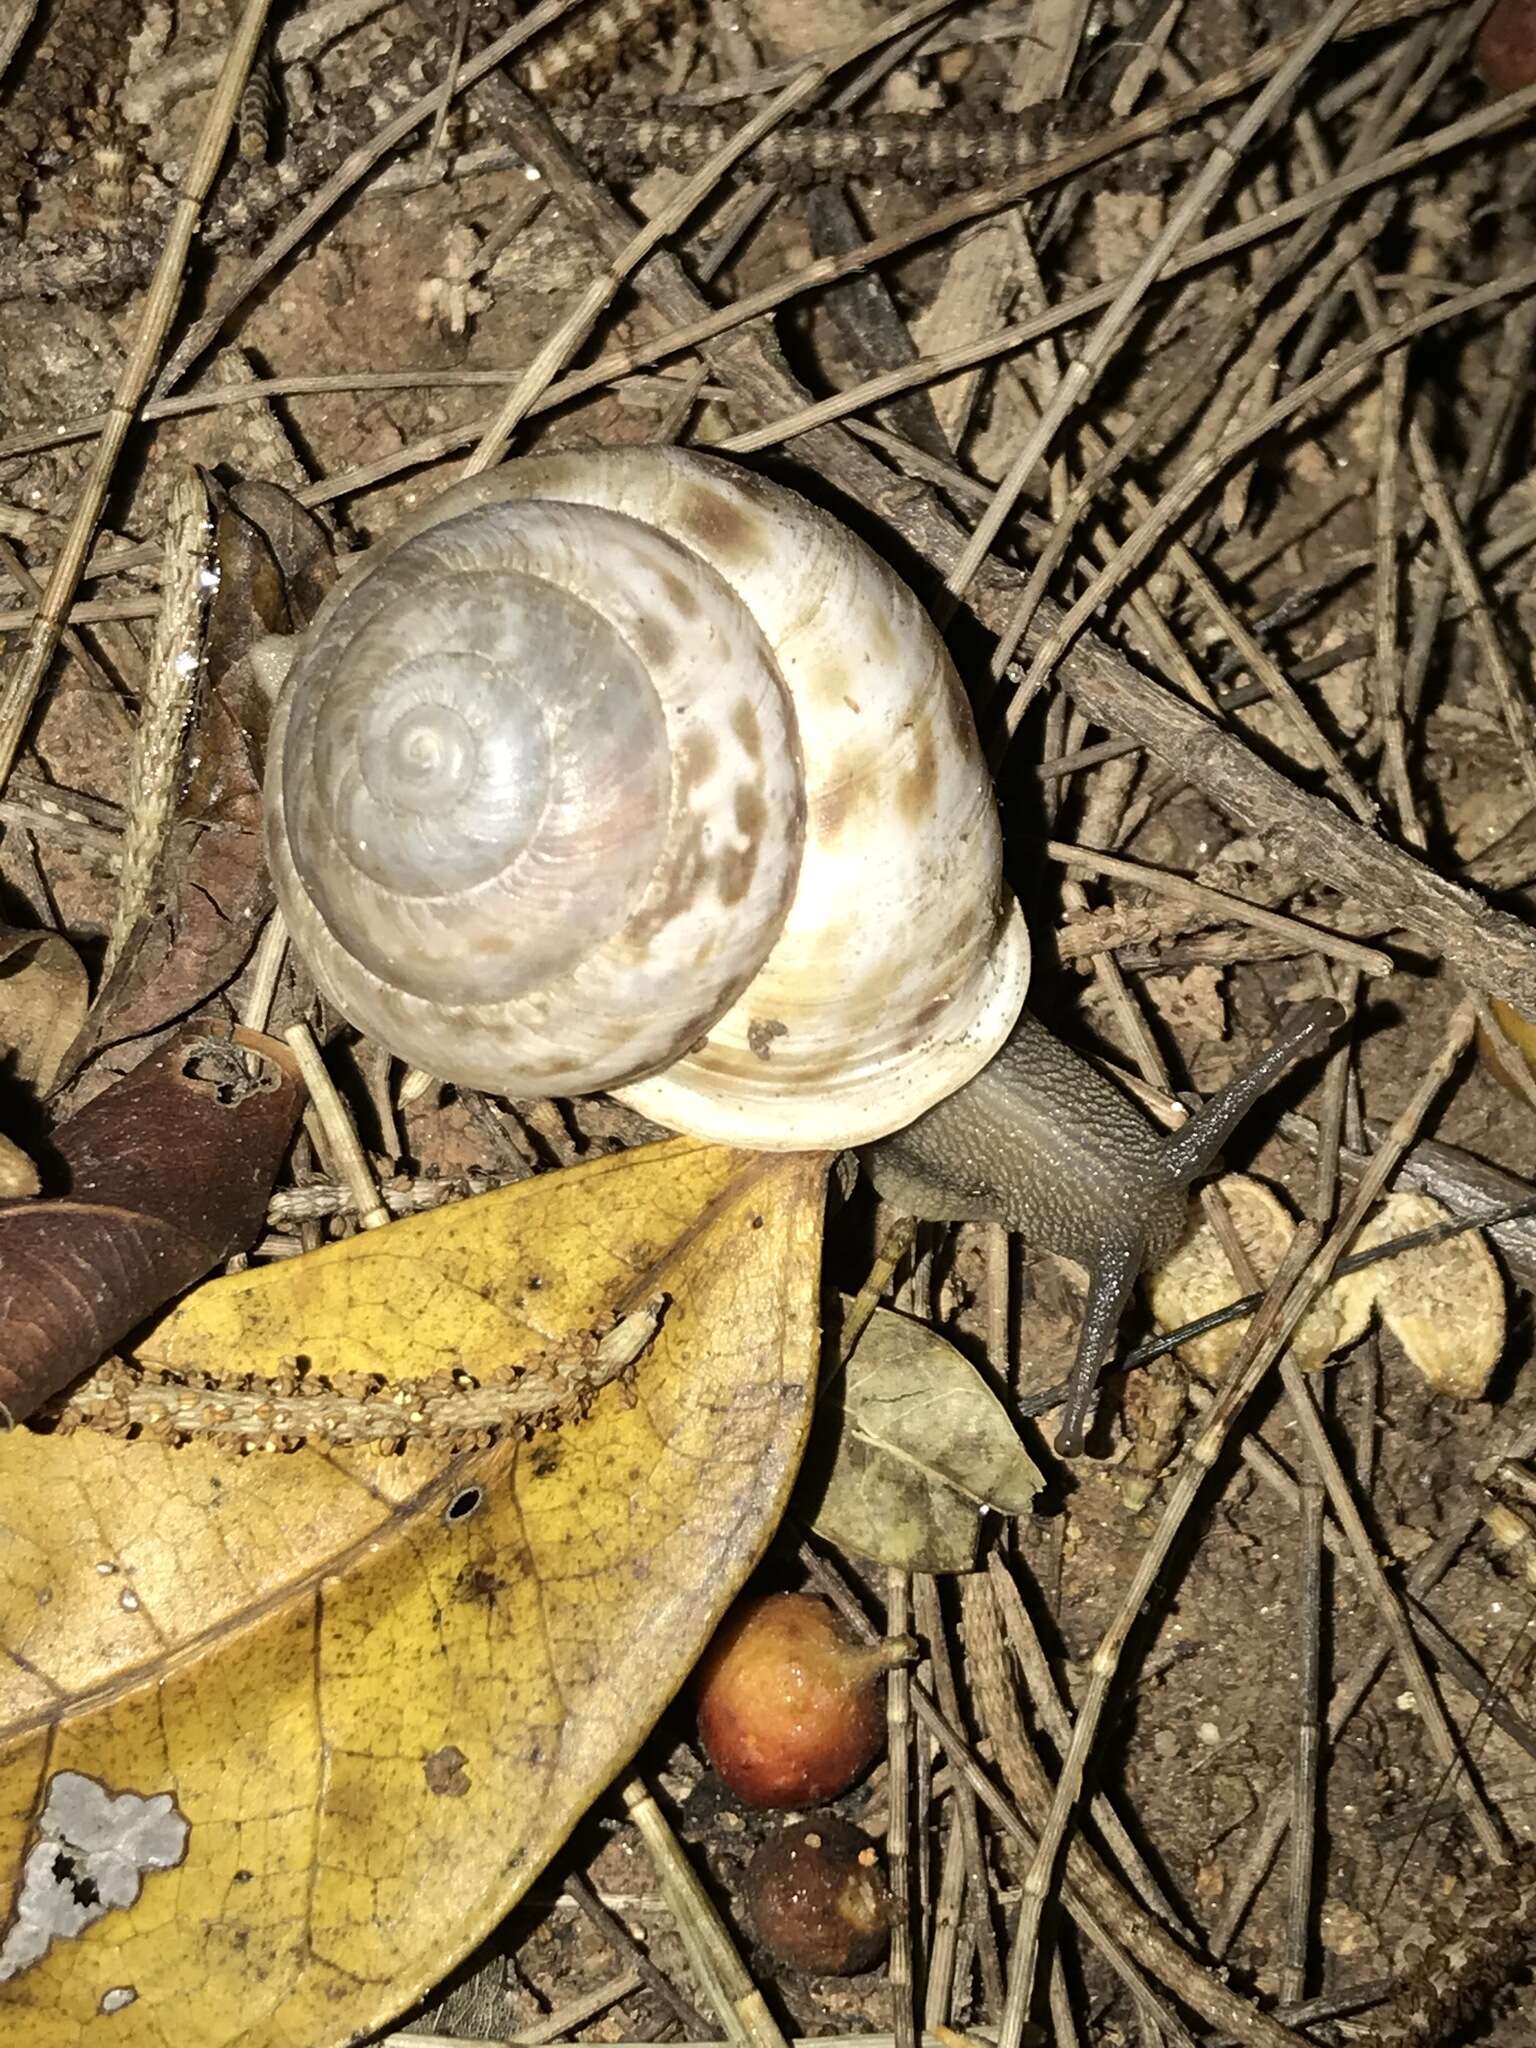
{"x":790,"y":1710}
{"x":817,"y":1898}
{"x":1505,"y":50}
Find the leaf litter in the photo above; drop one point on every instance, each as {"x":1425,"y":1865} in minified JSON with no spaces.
{"x":1207,"y":1739}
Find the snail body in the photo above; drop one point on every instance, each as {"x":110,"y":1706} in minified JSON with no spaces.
{"x":632,"y":771}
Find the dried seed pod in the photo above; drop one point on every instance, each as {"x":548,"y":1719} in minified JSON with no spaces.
{"x":817,"y":1899}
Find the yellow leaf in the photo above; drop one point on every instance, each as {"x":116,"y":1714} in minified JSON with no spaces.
{"x":373,"y":1695}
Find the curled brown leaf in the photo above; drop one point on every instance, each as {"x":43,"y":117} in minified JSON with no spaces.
{"x":168,"y":1172}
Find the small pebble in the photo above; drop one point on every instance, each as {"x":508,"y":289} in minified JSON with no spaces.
{"x":1210,"y":1883}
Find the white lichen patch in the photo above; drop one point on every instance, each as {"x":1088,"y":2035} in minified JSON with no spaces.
{"x":92,"y":1852}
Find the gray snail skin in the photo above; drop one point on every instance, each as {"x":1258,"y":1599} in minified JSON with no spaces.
{"x":630,"y":771}
{"x":1041,"y":1142}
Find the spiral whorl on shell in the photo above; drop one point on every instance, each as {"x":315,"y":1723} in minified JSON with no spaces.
{"x":628,"y":770}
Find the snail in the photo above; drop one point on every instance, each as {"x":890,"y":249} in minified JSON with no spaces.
{"x":632,"y":771}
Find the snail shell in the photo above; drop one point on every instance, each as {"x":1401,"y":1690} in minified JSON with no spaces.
{"x":632,"y":771}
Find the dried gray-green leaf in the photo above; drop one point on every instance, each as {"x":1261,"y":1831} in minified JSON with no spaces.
{"x":911,"y":1451}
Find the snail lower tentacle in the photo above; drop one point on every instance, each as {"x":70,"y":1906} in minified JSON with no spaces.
{"x":1040,"y":1142}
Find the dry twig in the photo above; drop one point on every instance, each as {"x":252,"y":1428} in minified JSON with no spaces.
{"x":21,"y":688}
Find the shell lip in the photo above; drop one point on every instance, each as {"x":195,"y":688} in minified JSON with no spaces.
{"x":870,"y":1106}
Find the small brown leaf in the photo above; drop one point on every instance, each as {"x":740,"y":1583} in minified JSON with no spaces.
{"x":1196,"y":1279}
{"x":1444,"y":1303}
{"x":169,"y":1172}
{"x":221,"y":895}
{"x":43,"y":993}
{"x":275,"y":565}
{"x":914,"y":1451}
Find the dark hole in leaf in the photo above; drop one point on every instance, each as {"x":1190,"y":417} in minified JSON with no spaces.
{"x":463,"y":1505}
{"x":229,"y":1072}
{"x":66,"y":1870}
